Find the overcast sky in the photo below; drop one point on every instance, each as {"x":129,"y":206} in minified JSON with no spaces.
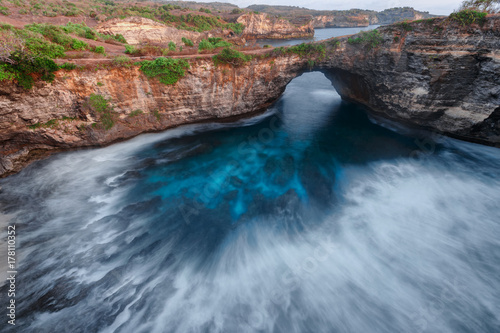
{"x":439,"y":7}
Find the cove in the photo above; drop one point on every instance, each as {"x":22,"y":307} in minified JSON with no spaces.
{"x":307,"y":218}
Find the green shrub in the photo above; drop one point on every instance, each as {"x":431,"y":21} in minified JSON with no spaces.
{"x":212,"y":43}
{"x":370,"y":39}
{"x":157,"y":115}
{"x":219,"y":42}
{"x":5,"y":73}
{"x":24,"y":66}
{"x":101,"y":106}
{"x":57,"y":35}
{"x":230,"y":56}
{"x":79,"y":45}
{"x":129,"y":49}
{"x":49,"y":124}
{"x":167,"y":70}
{"x":205,"y":45}
{"x":307,"y":49}
{"x":266,"y":46}
{"x":405,"y":25}
{"x":68,"y":66}
{"x":120,"y":38}
{"x":334,"y":42}
{"x":187,"y":41}
{"x":122,"y":61}
{"x":172,"y":46}
{"x":99,"y":50}
{"x":135,"y":113}
{"x":468,"y":17}
{"x":41,"y":47}
{"x":6,"y":26}
{"x":236,"y":27}
{"x":4,"y":10}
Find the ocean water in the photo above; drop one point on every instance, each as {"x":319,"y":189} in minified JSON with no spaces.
{"x":319,"y":34}
{"x":308,"y":218}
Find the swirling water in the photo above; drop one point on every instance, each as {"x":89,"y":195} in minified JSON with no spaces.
{"x":308,"y":218}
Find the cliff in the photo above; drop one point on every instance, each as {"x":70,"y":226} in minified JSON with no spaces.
{"x":56,"y":115}
{"x":344,"y":18}
{"x":337,"y":21}
{"x":434,"y":74}
{"x":266,"y":26}
{"x":140,"y":30}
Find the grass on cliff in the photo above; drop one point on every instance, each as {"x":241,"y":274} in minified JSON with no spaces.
{"x":231,"y":57}
{"x":304,"y":49}
{"x":187,"y":41}
{"x":166,"y":70}
{"x":103,"y":10}
{"x":369,"y":39}
{"x":213,"y":43}
{"x":26,"y":54}
{"x":101,"y":106}
{"x":468,"y":16}
{"x":53,"y":123}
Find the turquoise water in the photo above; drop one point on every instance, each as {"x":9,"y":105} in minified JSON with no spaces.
{"x":308,"y":218}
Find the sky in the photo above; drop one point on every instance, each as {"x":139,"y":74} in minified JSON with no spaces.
{"x":438,"y":7}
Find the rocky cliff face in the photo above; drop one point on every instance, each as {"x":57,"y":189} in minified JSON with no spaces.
{"x":440,"y":75}
{"x":336,"y":21}
{"x":265,"y":26}
{"x":140,"y":30}
{"x":437,"y":75}
{"x":394,"y":15}
{"x":60,"y":118}
{"x":363,"y":19}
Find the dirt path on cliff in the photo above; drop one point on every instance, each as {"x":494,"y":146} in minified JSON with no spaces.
{"x":89,"y":61}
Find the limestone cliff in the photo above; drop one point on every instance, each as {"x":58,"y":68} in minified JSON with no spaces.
{"x":205,"y":93}
{"x":344,"y":18}
{"x":433,"y":74}
{"x":400,"y":14}
{"x":266,"y":26}
{"x":363,"y":19}
{"x":336,"y":21}
{"x":140,"y":30}
{"x":439,"y":75}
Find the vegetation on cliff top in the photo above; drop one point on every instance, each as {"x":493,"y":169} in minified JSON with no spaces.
{"x":308,"y":49}
{"x":231,"y":57}
{"x":369,"y":39}
{"x":200,"y":19}
{"x":166,"y":70}
{"x":468,"y":17}
{"x":475,"y":11}
{"x":213,"y":43}
{"x":26,"y":54}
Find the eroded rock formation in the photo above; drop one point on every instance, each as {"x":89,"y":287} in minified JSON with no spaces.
{"x":336,"y":21}
{"x":266,"y":26}
{"x":205,"y":93}
{"x":438,"y":75}
{"x":140,"y":30}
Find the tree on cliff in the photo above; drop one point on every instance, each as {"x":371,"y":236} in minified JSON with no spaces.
{"x":488,"y":6}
